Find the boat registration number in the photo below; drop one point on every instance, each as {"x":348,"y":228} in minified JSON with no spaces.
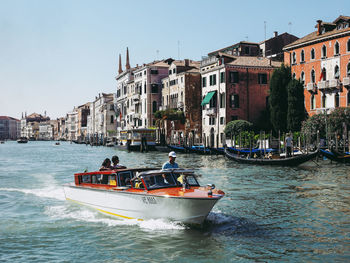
{"x":149,"y":200}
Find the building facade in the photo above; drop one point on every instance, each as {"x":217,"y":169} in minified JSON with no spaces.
{"x":233,"y":88}
{"x":181,"y":91}
{"x":9,"y":128}
{"x":321,"y":60}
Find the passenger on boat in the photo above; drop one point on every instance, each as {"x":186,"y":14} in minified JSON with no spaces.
{"x":106,"y":165}
{"x":171,"y":163}
{"x":116,"y":165}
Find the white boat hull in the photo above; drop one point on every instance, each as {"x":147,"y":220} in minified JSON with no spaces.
{"x":142,"y":206}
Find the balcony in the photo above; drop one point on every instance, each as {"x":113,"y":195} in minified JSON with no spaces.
{"x":346,"y":82}
{"x":211,"y":112}
{"x":208,"y":60}
{"x":310,"y":86}
{"x":333,"y":83}
{"x":322,"y":85}
{"x":180,"y":104}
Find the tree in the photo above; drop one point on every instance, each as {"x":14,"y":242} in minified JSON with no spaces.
{"x":237,"y":126}
{"x":317,"y":122}
{"x":296,"y":109}
{"x":278,"y":98}
{"x":339,"y":120}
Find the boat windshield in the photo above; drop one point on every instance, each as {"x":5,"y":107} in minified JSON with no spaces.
{"x":165,"y":180}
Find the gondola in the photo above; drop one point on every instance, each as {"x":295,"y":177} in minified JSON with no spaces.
{"x":217,"y":151}
{"x":336,"y":156}
{"x":289,"y":161}
{"x":198,"y":149}
{"x":254,"y":150}
{"x":178,"y":149}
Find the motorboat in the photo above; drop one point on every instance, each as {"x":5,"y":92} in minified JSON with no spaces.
{"x":22,"y":140}
{"x":144,"y":193}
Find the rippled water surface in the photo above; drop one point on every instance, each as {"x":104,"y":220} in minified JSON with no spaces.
{"x":269,"y":214}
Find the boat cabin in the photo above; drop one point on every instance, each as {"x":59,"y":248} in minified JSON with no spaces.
{"x":137,"y":178}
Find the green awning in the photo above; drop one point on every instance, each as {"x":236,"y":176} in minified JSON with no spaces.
{"x":207,"y":98}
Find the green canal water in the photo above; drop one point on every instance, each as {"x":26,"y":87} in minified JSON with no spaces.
{"x":269,"y":214}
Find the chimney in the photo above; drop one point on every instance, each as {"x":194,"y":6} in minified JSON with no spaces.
{"x":127,"y":66}
{"x":120,"y":64}
{"x":187,"y":62}
{"x":319,"y":22}
{"x":275,"y":33}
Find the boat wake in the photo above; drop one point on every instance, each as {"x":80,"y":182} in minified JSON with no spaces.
{"x":48,"y":192}
{"x":85,"y":214}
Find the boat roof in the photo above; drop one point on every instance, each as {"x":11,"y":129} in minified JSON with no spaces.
{"x":115,"y":171}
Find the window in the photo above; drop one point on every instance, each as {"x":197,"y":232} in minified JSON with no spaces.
{"x":222,"y":120}
{"x":169,"y":72}
{"x":324,"y":74}
{"x":336,"y":48}
{"x":336,"y":72}
{"x":302,"y":77}
{"x":324,"y":51}
{"x":324,"y":100}
{"x":348,"y":97}
{"x":154,"y":88}
{"x":234,"y":117}
{"x":234,"y":77}
{"x":234,"y":101}
{"x":222,"y":77}
{"x":348,"y":46}
{"x":154,"y":71}
{"x":112,"y":119}
{"x":294,"y":76}
{"x":312,"y":102}
{"x":211,"y":120}
{"x":154,"y":106}
{"x":294,"y":58}
{"x":124,"y":178}
{"x":174,"y":70}
{"x":302,"y":56}
{"x":312,"y":55}
{"x":222,"y":100}
{"x":313,"y":78}
{"x":222,"y":137}
{"x":212,"y":80}
{"x":213,"y":101}
{"x":262,"y":78}
{"x":336,"y":100}
{"x":247,"y":50}
{"x":204,"y":82}
{"x":348,"y":70}
{"x":145,"y":88}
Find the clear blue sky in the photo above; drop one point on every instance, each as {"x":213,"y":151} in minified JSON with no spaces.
{"x":55,"y":55}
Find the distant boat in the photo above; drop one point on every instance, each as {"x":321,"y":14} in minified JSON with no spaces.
{"x":336,"y":156}
{"x":289,"y":161}
{"x":177,"y":148}
{"x":22,"y":140}
{"x":199,"y":149}
{"x":137,"y":140}
{"x":2,"y":142}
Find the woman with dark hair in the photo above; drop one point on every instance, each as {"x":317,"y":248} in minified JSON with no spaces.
{"x":106,"y":165}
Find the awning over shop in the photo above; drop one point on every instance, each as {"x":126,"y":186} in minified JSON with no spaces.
{"x":207,"y":98}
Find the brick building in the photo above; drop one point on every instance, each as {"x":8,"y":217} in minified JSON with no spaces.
{"x":321,"y":60}
{"x":233,"y":87}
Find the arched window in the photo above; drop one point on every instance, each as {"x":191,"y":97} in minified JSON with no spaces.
{"x":348,"y":70}
{"x":336,"y":48}
{"x":336,"y":100}
{"x":336,"y":72}
{"x":302,"y":56}
{"x":312,"y":54}
{"x":348,"y":46}
{"x":293,"y":76}
{"x":302,"y":77}
{"x":324,"y":74}
{"x":312,"y":102}
{"x":294,"y":58}
{"x":324,"y":51}
{"x":324,"y":100}
{"x":154,"y":104}
{"x":313,"y":78}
